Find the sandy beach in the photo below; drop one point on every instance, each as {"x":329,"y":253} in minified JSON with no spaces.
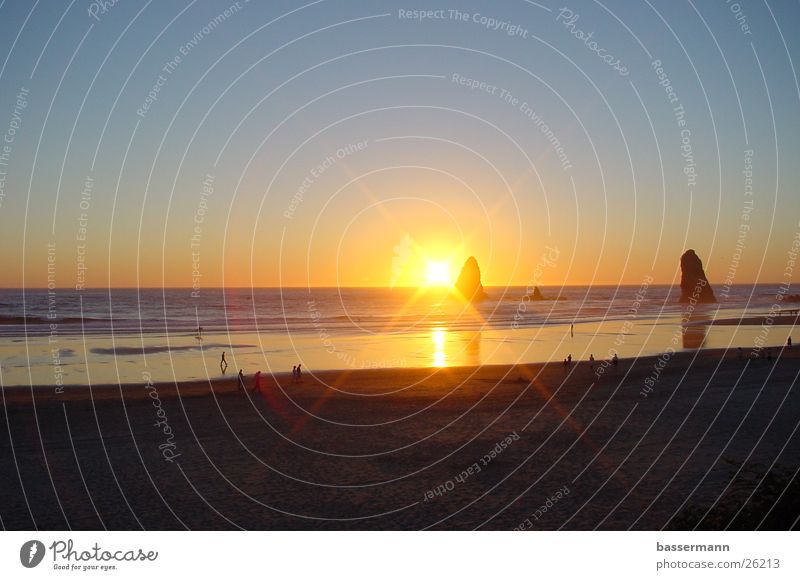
{"x":656,"y":442}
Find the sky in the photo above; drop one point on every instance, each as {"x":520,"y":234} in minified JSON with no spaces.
{"x":338,"y":143}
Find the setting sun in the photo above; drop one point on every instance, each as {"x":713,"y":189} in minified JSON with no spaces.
{"x":438,"y":274}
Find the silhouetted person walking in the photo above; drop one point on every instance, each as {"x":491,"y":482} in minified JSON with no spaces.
{"x":223,"y":364}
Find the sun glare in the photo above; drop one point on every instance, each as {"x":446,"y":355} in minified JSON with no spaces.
{"x":438,"y":274}
{"x":438,"y":338}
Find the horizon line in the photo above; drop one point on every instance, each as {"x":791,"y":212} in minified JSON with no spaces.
{"x":293,"y":287}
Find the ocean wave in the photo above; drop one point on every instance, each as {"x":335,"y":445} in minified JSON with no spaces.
{"x":17,"y":320}
{"x":340,"y":310}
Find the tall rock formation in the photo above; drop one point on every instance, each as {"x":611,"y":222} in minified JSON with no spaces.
{"x":469,"y":281}
{"x":693,"y":280}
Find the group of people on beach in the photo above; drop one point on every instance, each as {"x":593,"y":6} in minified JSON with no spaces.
{"x":568,"y":361}
{"x":761,"y":352}
{"x":297,"y":375}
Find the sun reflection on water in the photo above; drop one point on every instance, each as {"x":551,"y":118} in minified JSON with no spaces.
{"x":438,"y":336}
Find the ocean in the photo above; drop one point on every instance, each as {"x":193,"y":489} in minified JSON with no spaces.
{"x":109,"y":336}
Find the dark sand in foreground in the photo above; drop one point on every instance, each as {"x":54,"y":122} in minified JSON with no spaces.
{"x":363,"y":452}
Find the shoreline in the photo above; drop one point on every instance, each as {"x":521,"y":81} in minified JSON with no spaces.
{"x":228,"y":385}
{"x":776,"y":319}
{"x":77,"y":361}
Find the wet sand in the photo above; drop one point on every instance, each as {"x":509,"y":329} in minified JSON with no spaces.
{"x":637,"y":446}
{"x":774,"y":320}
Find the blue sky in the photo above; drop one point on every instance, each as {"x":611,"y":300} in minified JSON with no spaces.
{"x":264,"y":94}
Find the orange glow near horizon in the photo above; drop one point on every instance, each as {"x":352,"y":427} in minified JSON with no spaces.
{"x":401,"y":245}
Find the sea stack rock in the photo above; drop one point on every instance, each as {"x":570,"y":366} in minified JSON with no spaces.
{"x":537,"y":294}
{"x":694,"y":283}
{"x":469,"y":281}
